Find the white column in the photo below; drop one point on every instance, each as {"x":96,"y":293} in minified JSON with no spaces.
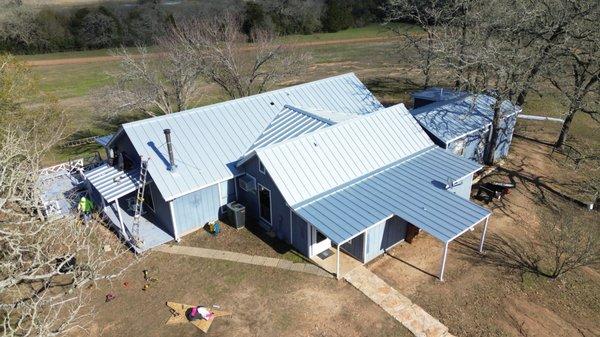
{"x":483,"y":234}
{"x":444,"y":256}
{"x":172,"y":210}
{"x":337,"y":268}
{"x":120,"y":216}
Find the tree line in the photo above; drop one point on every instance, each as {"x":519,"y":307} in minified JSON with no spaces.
{"x":26,"y":29}
{"x":507,"y":49}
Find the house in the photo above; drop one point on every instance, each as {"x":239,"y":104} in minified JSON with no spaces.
{"x":461,"y":122}
{"x":206,"y":142}
{"x":321,"y":165}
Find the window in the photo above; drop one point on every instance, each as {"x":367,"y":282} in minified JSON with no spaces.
{"x":261,"y":168}
{"x":264,"y":203}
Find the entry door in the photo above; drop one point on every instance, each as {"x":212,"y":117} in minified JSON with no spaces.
{"x":319,"y":242}
{"x":264,"y":204}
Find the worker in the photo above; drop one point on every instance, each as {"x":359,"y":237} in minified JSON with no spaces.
{"x":85,"y":206}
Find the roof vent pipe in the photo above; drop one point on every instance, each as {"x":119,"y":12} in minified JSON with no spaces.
{"x":170,"y":149}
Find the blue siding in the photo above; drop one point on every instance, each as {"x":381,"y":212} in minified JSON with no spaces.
{"x":383,"y":236}
{"x":299,"y":234}
{"x":194,"y":210}
{"x":161,"y":210}
{"x":355,"y":247}
{"x":280,"y":213}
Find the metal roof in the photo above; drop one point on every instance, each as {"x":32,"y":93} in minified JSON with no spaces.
{"x":104,"y":140}
{"x":452,"y":119}
{"x":112,"y":183}
{"x":316,"y":162}
{"x":437,"y":94}
{"x":292,"y":122}
{"x":208,"y":141}
{"x":413,"y":189}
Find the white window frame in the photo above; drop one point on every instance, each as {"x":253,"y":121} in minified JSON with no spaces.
{"x":261,"y":168}
{"x":260,"y":206}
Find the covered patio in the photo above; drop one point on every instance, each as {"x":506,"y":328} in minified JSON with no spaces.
{"x":408,"y":190}
{"x":115,"y":191}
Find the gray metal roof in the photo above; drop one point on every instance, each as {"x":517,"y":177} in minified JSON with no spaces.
{"x":209,"y":140}
{"x":292,"y":122}
{"x":413,"y":189}
{"x":452,"y":119}
{"x":112,"y":183}
{"x":436,"y":94}
{"x":104,"y":140}
{"x":316,"y":162}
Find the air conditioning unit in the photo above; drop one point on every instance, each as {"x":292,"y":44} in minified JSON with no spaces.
{"x":248,"y":183}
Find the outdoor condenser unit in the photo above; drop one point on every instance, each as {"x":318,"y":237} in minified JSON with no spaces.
{"x":236,"y":214}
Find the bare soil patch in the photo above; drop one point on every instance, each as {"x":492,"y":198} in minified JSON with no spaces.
{"x":480,"y":297}
{"x":265,"y":302}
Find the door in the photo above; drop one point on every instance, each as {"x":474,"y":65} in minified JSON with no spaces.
{"x":264,"y":204}
{"x":319,"y":242}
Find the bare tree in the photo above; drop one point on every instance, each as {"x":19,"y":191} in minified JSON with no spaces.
{"x":240,"y":69}
{"x":428,"y":16}
{"x":156,"y":84}
{"x":575,"y":72}
{"x":44,"y":263}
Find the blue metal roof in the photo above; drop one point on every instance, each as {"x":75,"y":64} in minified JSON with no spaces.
{"x":436,"y":94}
{"x":413,"y":189}
{"x":112,"y":183}
{"x":209,"y":140}
{"x":316,"y":162}
{"x":453,"y":119}
{"x":292,"y":122}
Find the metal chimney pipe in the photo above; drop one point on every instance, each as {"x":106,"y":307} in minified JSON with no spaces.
{"x":170,"y":149}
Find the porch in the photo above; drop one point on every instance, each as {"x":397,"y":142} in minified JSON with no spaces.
{"x":151,"y":235}
{"x":334,"y":259}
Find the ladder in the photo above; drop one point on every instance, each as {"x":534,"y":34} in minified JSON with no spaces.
{"x":139,"y":203}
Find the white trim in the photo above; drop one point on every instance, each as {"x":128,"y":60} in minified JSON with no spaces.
{"x":260,"y":165}
{"x":120,"y":216}
{"x":365,"y":238}
{"x":259,"y":205}
{"x":174,"y":223}
{"x":443,"y":266}
{"x":337,"y":264}
{"x":483,"y":234}
{"x":291,"y":228}
{"x":313,"y":241}
{"x":469,"y":228}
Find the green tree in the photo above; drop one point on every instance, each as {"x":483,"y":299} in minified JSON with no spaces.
{"x":338,"y":16}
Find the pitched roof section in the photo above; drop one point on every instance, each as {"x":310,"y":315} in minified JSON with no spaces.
{"x":412,"y":189}
{"x":208,"y":141}
{"x":314,"y":163}
{"x":292,"y":122}
{"x":452,"y":119}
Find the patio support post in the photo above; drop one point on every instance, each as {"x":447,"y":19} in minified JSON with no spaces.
{"x":120,"y":216}
{"x":444,"y":256}
{"x":483,"y":234}
{"x":174,"y":222}
{"x":337,"y":268}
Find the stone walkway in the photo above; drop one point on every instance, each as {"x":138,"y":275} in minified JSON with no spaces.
{"x":413,"y":317}
{"x":244,"y":258}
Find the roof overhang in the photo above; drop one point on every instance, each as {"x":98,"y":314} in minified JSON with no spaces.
{"x":111,"y":183}
{"x":406,"y":190}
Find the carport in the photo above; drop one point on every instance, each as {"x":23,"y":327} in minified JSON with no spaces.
{"x":405,"y":190}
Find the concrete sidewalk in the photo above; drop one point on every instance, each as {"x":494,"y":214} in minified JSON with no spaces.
{"x":413,"y":317}
{"x":244,"y":258}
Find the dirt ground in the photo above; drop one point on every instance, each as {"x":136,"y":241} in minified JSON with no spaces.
{"x":264,"y":301}
{"x":480,"y":297}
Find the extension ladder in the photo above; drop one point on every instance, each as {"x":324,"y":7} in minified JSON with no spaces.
{"x":139,"y":203}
